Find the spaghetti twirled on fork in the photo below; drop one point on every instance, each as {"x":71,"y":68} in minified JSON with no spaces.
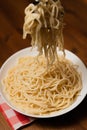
{"x":44,"y":22}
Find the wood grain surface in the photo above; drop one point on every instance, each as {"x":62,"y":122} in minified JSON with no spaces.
{"x":75,"y":37}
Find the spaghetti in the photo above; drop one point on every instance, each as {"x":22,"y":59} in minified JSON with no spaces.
{"x":29,"y":85}
{"x":32,"y":88}
{"x":44,"y":22}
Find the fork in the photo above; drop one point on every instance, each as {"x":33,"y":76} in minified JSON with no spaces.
{"x":35,"y":2}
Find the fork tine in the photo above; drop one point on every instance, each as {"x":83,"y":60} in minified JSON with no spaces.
{"x":35,"y":2}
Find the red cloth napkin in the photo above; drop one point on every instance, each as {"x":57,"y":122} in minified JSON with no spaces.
{"x":15,"y":119}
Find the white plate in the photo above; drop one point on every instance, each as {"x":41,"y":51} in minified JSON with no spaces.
{"x":10,"y":62}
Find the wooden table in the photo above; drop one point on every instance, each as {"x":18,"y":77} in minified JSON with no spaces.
{"x":75,"y":36}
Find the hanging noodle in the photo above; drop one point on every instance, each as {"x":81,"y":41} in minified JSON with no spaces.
{"x":44,"y":22}
{"x":34,"y":90}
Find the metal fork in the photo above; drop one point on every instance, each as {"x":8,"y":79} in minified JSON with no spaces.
{"x":35,"y":2}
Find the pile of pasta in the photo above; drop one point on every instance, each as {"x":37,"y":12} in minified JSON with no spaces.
{"x":35,"y":89}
